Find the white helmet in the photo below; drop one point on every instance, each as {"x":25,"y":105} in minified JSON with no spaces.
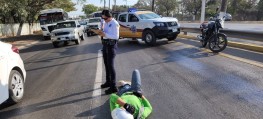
{"x":119,"y":113}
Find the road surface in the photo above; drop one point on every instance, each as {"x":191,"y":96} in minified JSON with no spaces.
{"x":181,"y":80}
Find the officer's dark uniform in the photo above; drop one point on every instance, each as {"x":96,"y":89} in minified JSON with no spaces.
{"x":111,"y":31}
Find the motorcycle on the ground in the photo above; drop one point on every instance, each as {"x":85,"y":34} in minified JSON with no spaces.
{"x":210,"y":33}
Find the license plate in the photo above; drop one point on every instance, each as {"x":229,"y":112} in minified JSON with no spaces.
{"x":174,"y":29}
{"x":62,"y":38}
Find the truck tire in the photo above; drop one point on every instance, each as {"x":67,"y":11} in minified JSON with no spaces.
{"x":55,"y":44}
{"x":82,"y":37}
{"x":149,"y":37}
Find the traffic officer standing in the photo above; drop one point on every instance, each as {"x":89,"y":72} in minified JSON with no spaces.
{"x":110,"y":36}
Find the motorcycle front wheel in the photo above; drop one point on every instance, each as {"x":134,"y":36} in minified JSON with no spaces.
{"x":218,"y":44}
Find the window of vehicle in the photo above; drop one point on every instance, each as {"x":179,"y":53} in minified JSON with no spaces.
{"x":82,"y":22}
{"x":94,"y":20}
{"x":66,"y":25}
{"x":149,"y":16}
{"x":122,"y":18}
{"x":132,"y":18}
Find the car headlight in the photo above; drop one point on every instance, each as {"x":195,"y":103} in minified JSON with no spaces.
{"x":43,"y":29}
{"x":159,"y":24}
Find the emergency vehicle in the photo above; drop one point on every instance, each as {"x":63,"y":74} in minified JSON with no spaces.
{"x":147,"y":25}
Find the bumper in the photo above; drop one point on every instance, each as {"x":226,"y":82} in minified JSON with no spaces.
{"x":164,"y":32}
{"x":61,"y":38}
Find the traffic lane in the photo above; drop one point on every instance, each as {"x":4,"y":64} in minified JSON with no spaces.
{"x":250,"y":55}
{"x":59,"y":81}
{"x":183,"y":82}
{"x":235,"y":26}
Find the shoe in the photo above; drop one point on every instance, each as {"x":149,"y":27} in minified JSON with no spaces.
{"x":111,"y":90}
{"x":105,"y":85}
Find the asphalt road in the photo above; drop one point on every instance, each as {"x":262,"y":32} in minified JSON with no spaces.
{"x":234,"y":26}
{"x":181,"y":80}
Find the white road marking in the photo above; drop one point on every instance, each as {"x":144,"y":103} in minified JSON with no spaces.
{"x":98,"y":80}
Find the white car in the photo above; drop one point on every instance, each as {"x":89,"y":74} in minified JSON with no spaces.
{"x":12,"y":74}
{"x":67,"y":31}
{"x":93,"y":23}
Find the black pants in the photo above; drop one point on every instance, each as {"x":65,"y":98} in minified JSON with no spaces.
{"x":109,"y":53}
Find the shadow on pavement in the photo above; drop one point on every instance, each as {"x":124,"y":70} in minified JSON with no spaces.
{"x":42,"y":105}
{"x":101,"y":112}
{"x":83,"y":60}
{"x":45,"y":45}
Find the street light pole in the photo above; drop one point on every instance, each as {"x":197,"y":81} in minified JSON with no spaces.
{"x":203,"y":11}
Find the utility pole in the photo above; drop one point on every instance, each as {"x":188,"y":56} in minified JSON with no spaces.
{"x":152,"y":5}
{"x":203,"y":11}
{"x":104,"y":4}
{"x":223,"y":8}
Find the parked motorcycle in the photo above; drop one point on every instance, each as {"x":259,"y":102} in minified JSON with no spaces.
{"x":210,"y":33}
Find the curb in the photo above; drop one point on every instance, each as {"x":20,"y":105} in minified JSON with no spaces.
{"x":234,"y":44}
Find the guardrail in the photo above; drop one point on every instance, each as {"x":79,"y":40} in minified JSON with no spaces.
{"x":248,"y":35}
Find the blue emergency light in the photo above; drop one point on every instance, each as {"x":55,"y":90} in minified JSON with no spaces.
{"x":132,"y":10}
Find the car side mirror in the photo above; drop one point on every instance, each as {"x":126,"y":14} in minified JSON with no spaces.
{"x":78,"y":25}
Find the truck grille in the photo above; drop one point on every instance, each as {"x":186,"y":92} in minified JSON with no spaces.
{"x":51,"y":28}
{"x":61,"y":33}
{"x":172,"y":24}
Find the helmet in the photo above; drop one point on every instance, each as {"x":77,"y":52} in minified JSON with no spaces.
{"x":119,"y":113}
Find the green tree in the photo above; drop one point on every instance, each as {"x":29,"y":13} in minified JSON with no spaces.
{"x":165,"y":6}
{"x":66,"y":5}
{"x":192,"y":7}
{"x":89,"y":8}
{"x":260,"y":10}
{"x":143,"y":4}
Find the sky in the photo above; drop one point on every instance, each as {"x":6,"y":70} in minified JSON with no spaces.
{"x":99,"y":4}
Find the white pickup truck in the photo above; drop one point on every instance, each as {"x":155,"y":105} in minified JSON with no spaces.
{"x":147,"y":26}
{"x":67,"y":31}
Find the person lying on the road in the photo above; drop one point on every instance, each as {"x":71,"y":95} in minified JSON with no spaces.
{"x":129,"y":103}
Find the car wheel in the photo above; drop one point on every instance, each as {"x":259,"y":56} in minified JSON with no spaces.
{"x":16,"y":87}
{"x":172,"y":38}
{"x":66,"y":43}
{"x":149,"y":38}
{"x":55,"y":44}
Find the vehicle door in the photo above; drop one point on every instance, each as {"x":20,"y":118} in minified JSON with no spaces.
{"x":134,"y":26}
{"x":124,"y":29}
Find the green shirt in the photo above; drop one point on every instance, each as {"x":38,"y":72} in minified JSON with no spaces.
{"x":134,"y":101}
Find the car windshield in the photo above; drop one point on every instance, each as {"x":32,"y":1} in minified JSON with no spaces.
{"x":149,"y":16}
{"x":82,"y":22}
{"x":94,"y":20}
{"x":66,"y":25}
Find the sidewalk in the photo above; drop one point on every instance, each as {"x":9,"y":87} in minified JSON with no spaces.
{"x":23,"y":42}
